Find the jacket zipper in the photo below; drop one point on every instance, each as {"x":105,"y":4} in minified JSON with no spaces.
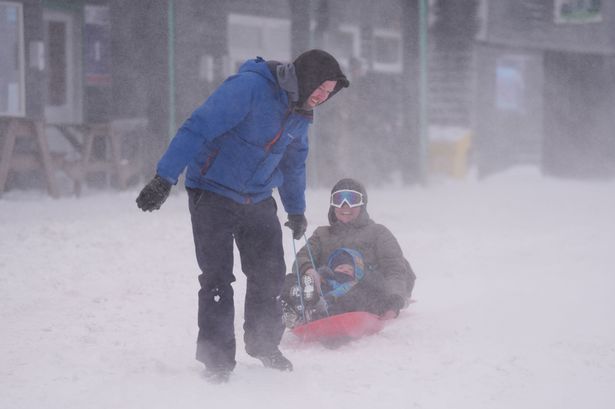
{"x":208,"y":161}
{"x":279,"y":133}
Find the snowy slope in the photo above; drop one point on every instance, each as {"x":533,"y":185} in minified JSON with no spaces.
{"x":515,"y":297}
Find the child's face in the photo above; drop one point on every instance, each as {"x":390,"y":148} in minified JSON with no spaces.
{"x":347,"y":214}
{"x":345,"y":269}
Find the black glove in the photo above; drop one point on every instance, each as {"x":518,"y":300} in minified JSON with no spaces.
{"x":298,"y":224}
{"x":393,"y":303}
{"x":153,"y":194}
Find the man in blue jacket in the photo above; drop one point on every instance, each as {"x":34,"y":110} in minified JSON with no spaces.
{"x":248,"y":137}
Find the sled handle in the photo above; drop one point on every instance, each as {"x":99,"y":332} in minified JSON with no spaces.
{"x":309,"y":249}
{"x":307,"y":244}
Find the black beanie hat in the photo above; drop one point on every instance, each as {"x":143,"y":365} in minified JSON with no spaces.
{"x":314,"y":67}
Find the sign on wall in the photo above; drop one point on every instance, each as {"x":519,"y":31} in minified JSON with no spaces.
{"x":510,"y":84}
{"x":97,"y":46}
{"x":578,"y":11}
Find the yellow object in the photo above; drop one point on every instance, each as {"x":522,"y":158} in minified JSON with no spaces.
{"x":450,"y":157}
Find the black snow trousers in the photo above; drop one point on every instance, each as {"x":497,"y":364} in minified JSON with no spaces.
{"x":255,"y":228}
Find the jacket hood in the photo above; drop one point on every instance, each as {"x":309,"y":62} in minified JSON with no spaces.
{"x":354,"y":256}
{"x":314,"y":67}
{"x":336,"y":288}
{"x":257,"y":65}
{"x":287,"y":78}
{"x":350,"y":184}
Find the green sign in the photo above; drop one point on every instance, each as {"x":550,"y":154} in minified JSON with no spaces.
{"x":578,"y":11}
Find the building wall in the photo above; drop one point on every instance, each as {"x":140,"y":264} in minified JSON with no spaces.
{"x":508,"y":119}
{"x":140,"y":71}
{"x":563,"y":119}
{"x":532,"y":23}
{"x":579,"y":117}
{"x":141,"y":83}
{"x":202,"y":45}
{"x":200,"y":52}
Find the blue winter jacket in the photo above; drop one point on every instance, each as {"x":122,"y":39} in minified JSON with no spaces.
{"x":243,"y":141}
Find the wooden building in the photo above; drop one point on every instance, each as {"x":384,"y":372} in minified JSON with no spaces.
{"x":546,"y":87}
{"x":92,"y":90}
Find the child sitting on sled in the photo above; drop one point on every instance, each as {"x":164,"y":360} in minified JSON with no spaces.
{"x":353,"y":264}
{"x":323,"y":292}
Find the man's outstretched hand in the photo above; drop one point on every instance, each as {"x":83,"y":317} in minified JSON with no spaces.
{"x":153,"y":194}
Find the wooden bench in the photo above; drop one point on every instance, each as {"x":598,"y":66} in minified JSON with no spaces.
{"x":12,"y":130}
{"x":83,"y":137}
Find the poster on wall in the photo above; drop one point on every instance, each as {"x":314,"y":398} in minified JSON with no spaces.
{"x":510,"y":84}
{"x":97,"y":46}
{"x":578,"y":11}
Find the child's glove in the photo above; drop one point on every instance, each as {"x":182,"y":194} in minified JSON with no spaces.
{"x":393,"y":303}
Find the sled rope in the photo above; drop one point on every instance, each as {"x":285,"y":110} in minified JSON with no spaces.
{"x":307,"y":244}
{"x":299,"y":282}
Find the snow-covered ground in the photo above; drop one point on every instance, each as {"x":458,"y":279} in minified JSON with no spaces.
{"x":515,"y":303}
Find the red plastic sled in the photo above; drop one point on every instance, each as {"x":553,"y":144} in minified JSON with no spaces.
{"x":348,"y":325}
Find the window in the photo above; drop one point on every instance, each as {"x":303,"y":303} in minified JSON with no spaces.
{"x":344,"y":43}
{"x":387,"y":51}
{"x":12,"y":72}
{"x":252,"y":36}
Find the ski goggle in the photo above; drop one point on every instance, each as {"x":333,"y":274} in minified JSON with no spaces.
{"x":351,"y":197}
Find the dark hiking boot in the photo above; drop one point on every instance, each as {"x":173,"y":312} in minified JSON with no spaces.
{"x":217,"y":376}
{"x":275,"y":360}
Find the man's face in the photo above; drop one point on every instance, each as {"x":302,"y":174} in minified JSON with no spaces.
{"x":320,"y":95}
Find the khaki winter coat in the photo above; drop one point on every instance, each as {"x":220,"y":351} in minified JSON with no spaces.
{"x":387,"y":272}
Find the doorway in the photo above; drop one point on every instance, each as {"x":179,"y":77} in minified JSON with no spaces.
{"x":63,"y":81}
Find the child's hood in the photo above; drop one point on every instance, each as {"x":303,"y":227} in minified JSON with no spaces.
{"x":354,"y":255}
